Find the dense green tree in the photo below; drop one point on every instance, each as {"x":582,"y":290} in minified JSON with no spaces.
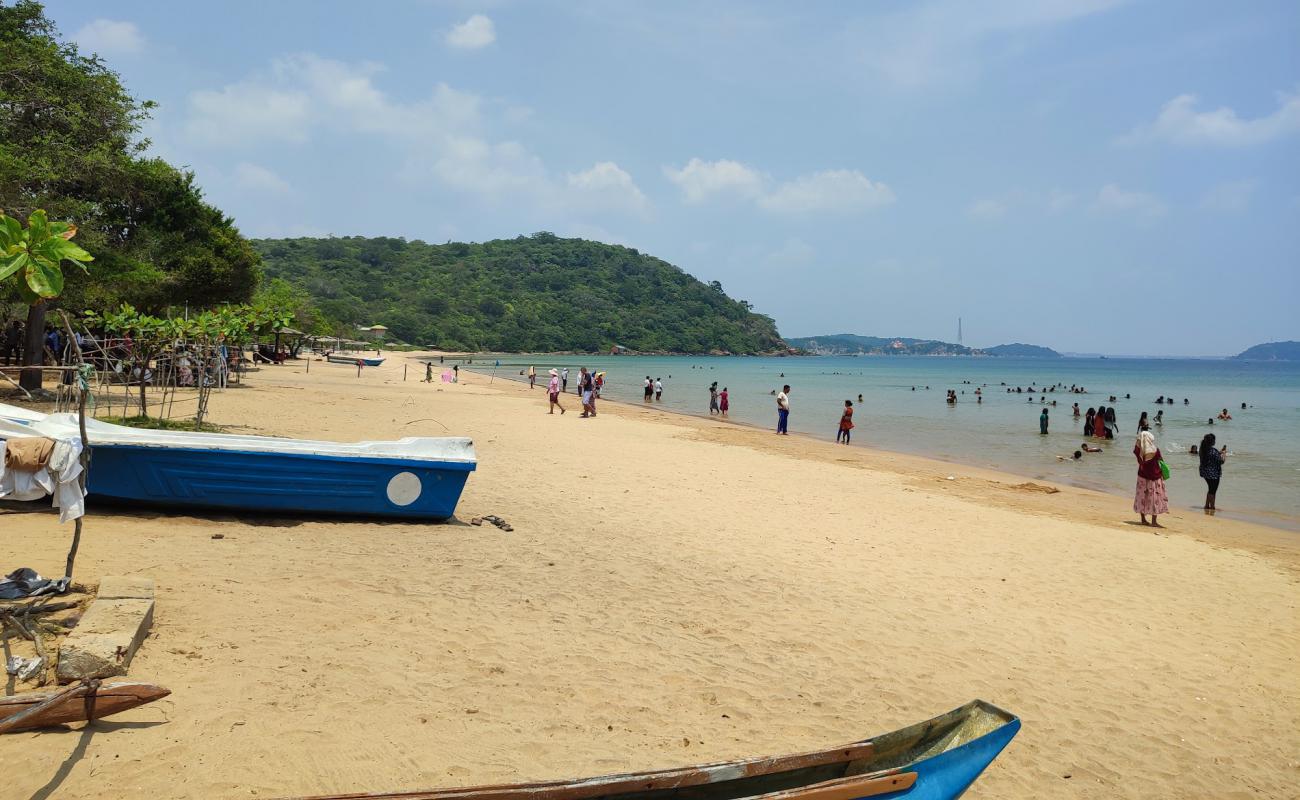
{"x":532,"y":293}
{"x":70,"y":144}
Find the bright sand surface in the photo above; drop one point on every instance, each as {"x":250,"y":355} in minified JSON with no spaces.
{"x":675,"y":591}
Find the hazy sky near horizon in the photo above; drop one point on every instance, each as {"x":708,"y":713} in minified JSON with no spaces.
{"x":1090,"y":175}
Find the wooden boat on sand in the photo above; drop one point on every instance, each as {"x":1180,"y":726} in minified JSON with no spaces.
{"x":78,"y":703}
{"x":349,"y":358}
{"x":933,"y":760}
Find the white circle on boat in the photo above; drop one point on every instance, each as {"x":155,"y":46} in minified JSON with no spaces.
{"x":404,"y":488}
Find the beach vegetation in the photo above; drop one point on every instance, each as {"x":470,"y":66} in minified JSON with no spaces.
{"x":71,"y":144}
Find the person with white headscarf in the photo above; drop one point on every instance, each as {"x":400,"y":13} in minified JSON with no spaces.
{"x":1150,"y":497}
{"x":553,"y":392}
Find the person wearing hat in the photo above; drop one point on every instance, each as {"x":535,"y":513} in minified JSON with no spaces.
{"x":553,"y":392}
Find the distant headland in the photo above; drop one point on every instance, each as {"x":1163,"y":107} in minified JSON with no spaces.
{"x":841,"y":344}
{"x":1271,"y":351}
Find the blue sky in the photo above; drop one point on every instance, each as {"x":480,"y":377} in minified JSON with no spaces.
{"x":1092,"y":175}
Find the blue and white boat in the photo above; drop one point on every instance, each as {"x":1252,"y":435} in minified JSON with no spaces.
{"x":349,"y":358}
{"x":933,"y":760}
{"x":412,"y":478}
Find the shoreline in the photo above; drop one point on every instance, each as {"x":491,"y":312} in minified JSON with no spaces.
{"x":1272,"y":521}
{"x":673,"y":592}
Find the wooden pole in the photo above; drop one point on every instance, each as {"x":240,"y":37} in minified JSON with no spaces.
{"x":82,"y":390}
{"x":403,"y":372}
{"x":16,"y":721}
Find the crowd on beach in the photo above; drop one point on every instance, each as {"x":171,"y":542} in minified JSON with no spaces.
{"x":1099,"y":424}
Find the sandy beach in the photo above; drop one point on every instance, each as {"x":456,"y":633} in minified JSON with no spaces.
{"x":675,"y":590}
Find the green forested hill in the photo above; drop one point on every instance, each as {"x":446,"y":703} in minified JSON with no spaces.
{"x":536,"y":293}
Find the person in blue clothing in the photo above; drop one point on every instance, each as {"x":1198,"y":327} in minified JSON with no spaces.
{"x":1212,"y":460}
{"x":783,"y":410}
{"x":1042,"y":422}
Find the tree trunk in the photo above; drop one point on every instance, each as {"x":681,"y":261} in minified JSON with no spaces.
{"x":34,"y":348}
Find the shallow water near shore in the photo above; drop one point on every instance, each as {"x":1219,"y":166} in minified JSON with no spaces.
{"x":1261,"y":480}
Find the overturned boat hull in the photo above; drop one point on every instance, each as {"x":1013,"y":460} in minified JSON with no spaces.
{"x":339,"y":358}
{"x":413,"y":478}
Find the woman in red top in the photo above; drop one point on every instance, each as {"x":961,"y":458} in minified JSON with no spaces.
{"x":846,"y":423}
{"x":1099,"y":423}
{"x":1150,"y":497}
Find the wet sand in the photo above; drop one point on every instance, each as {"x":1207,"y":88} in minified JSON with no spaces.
{"x":675,"y":590}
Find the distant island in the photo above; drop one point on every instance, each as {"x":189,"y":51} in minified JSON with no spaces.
{"x":531,"y":294}
{"x":1022,"y":350}
{"x":1272,"y":351}
{"x":849,"y":344}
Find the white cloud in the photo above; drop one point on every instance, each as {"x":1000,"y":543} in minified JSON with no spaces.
{"x":110,"y":37}
{"x":699,"y":180}
{"x":475,"y":32}
{"x":245,"y":112}
{"x":939,"y":41}
{"x":987,"y":208}
{"x":607,"y":185}
{"x":1179,"y":122}
{"x":256,"y":178}
{"x":1139,"y":205}
{"x":839,"y":190}
{"x":1232,"y":196}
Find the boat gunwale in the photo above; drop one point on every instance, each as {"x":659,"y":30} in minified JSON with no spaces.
{"x":705,"y":774}
{"x":413,"y":461}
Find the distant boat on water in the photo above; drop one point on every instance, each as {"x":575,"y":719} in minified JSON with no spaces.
{"x":411,"y":478}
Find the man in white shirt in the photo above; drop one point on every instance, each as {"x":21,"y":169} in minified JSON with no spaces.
{"x":783,"y":410}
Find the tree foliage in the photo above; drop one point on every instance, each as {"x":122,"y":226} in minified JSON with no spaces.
{"x":70,"y":144}
{"x":538,"y":293}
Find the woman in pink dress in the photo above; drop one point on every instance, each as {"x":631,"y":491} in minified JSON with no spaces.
{"x":1150,"y":497}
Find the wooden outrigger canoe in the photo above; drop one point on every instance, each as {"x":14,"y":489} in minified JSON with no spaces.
{"x":933,"y":760}
{"x":78,"y":703}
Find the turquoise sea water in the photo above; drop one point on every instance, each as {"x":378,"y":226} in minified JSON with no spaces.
{"x":1261,"y":479}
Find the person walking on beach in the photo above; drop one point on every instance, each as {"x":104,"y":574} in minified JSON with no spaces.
{"x":587,"y":389}
{"x":649,"y":389}
{"x":783,"y":410}
{"x":1042,"y":423}
{"x":713,"y":398}
{"x":659,"y":389}
{"x":532,"y":377}
{"x":724,"y":401}
{"x":564,"y":380}
{"x":1212,"y":460}
{"x":1149,"y":496}
{"x":846,"y":424}
{"x":553,"y":392}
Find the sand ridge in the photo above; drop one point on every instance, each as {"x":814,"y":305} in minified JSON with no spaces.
{"x":674,"y":591}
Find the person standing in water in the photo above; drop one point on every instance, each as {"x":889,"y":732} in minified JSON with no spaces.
{"x":713,"y":398}
{"x":1149,"y":496}
{"x":1142,"y":421}
{"x":532,"y":377}
{"x":1212,"y":460}
{"x":649,"y":389}
{"x":783,"y":411}
{"x":1042,"y":423}
{"x":846,"y":424}
{"x":659,"y":389}
{"x":553,"y":392}
{"x":724,"y":401}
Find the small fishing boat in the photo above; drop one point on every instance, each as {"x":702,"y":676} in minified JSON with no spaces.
{"x":348,"y":358}
{"x":933,"y":760}
{"x":23,"y":712}
{"x":414,"y":478}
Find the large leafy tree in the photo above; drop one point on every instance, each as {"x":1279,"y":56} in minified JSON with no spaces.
{"x":70,"y":144}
